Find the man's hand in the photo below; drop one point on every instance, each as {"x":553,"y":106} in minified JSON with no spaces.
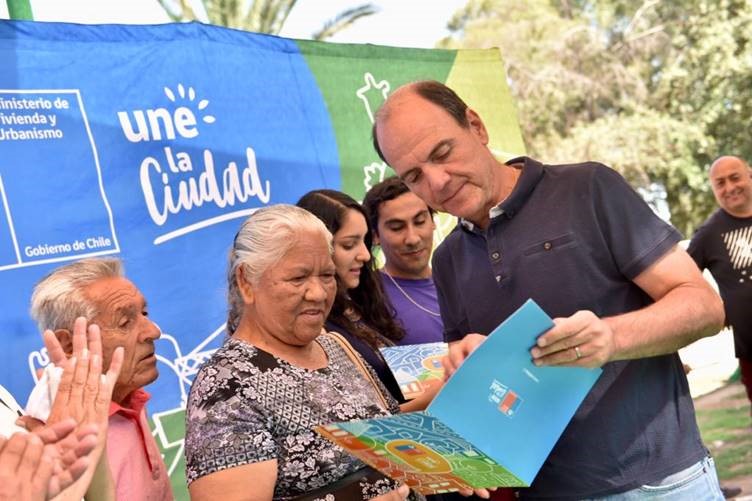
{"x":481,"y":493}
{"x":33,"y":467}
{"x":582,"y":340}
{"x":23,"y":467}
{"x":459,"y":351}
{"x":84,"y":394}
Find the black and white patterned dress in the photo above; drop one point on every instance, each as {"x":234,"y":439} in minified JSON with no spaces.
{"x":248,"y":406}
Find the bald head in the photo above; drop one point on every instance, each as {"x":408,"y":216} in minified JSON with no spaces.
{"x":430,"y":90}
{"x":731,"y":181}
{"x":727,"y":161}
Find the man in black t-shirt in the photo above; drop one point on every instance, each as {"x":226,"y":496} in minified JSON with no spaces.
{"x":723,"y":245}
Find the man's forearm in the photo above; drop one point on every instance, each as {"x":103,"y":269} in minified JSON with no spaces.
{"x":685,"y":314}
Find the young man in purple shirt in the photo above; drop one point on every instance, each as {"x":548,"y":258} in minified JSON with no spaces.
{"x":403,"y":226}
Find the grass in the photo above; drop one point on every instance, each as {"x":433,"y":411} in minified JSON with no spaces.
{"x":727,"y":432}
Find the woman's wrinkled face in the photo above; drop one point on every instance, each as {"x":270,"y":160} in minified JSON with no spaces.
{"x":350,"y":251}
{"x":293,"y":297}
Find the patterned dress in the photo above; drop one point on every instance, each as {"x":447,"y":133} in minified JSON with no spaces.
{"x":248,"y":406}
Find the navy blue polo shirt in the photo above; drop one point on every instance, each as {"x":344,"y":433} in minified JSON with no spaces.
{"x":573,"y":237}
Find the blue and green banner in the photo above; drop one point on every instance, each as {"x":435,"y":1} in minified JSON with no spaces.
{"x":152,"y":143}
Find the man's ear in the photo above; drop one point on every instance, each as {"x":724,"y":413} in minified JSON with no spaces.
{"x":65,"y":338}
{"x":477,"y":125}
{"x":244,"y":286}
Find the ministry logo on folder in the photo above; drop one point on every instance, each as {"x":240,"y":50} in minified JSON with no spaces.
{"x":508,"y":401}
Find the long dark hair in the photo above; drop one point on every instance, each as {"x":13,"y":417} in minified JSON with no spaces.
{"x":368,"y":298}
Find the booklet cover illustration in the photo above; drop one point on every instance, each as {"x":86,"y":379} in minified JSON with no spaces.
{"x":415,"y":366}
{"x":492,"y":424}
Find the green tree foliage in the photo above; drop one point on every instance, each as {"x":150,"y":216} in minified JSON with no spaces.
{"x":262,"y":16}
{"x":654,"y":89}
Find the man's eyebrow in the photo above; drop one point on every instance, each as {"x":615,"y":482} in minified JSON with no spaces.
{"x":120,"y":310}
{"x":398,"y":220}
{"x":393,"y":220}
{"x":129,"y":308}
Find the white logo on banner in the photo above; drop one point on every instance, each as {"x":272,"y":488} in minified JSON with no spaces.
{"x":373,"y":94}
{"x":173,"y":181}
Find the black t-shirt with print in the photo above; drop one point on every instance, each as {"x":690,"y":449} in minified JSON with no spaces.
{"x":723,"y":245}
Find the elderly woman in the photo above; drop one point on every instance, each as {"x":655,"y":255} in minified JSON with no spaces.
{"x":361,"y":312}
{"x":254,"y":403}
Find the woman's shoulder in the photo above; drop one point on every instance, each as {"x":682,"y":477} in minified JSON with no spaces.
{"x":332,"y":341}
{"x":234,"y":361}
{"x":230,"y":353}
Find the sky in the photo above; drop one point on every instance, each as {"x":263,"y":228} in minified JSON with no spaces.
{"x":395,"y":24}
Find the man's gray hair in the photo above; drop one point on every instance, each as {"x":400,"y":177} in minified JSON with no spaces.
{"x":263,"y":239}
{"x":58,"y":298}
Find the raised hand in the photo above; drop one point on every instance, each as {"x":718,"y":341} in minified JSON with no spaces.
{"x":34,"y":467}
{"x":84,"y":394}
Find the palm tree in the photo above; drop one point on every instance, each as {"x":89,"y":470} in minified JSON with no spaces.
{"x":263,"y":16}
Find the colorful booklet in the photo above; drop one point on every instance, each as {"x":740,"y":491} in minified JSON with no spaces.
{"x":492,"y":424}
{"x":416,"y":366}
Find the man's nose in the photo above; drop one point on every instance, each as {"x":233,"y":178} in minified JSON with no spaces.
{"x":438,"y":178}
{"x":411,"y":235}
{"x":151,"y":331}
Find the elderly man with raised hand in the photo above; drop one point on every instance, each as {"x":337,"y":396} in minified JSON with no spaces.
{"x":723,"y":245}
{"x":586,"y":247}
{"x":97,"y":290}
{"x":63,"y":459}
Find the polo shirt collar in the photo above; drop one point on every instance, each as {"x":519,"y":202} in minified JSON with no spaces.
{"x":532,"y":171}
{"x":133,"y":406}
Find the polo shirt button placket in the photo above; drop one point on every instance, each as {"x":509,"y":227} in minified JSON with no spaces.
{"x":495,"y":257}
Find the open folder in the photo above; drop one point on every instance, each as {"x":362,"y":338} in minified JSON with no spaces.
{"x":415,"y":366}
{"x":492,"y":424}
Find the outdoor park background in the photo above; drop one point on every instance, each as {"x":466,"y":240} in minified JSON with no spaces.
{"x":654,"y":89}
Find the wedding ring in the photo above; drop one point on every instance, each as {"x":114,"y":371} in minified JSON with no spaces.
{"x":577,"y":352}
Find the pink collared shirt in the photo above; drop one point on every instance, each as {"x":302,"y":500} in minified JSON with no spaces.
{"x":136,"y":464}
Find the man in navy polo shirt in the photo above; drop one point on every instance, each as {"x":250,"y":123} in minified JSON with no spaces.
{"x":579,"y":241}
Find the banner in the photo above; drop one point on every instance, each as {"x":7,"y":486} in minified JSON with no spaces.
{"x":152,"y":143}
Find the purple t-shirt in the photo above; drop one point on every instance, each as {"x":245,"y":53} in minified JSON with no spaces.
{"x":416,"y":308}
